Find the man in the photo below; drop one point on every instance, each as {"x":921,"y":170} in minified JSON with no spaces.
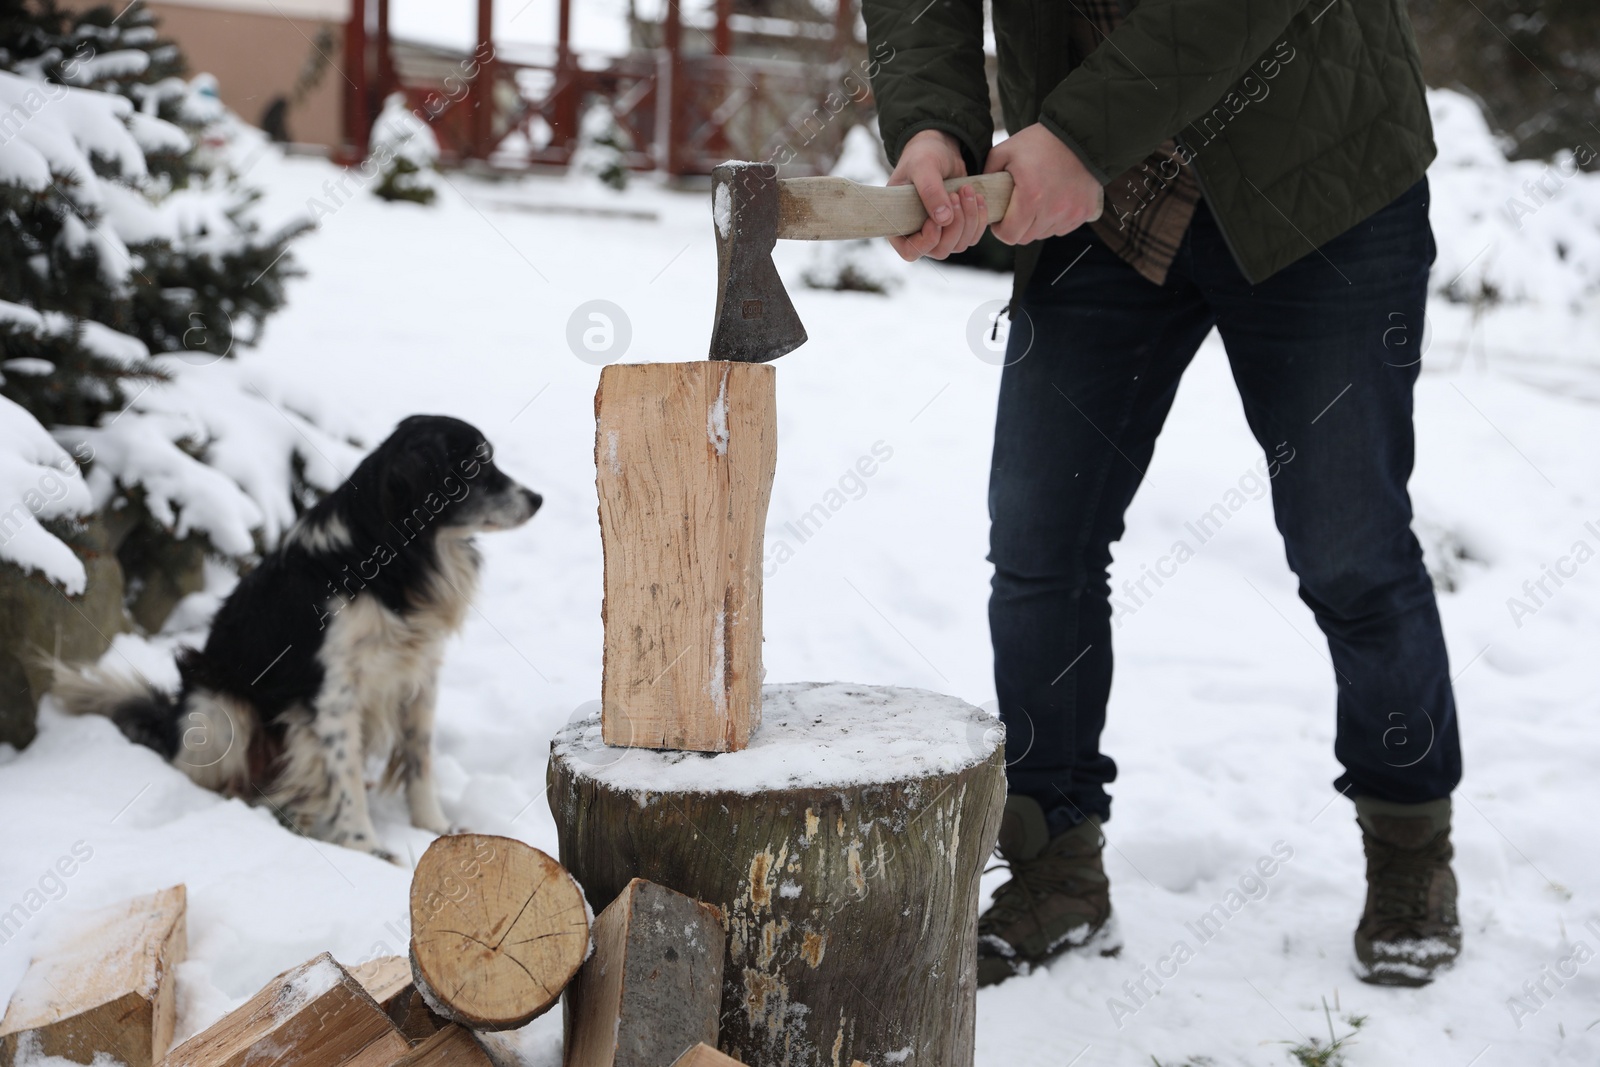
{"x":1263,"y":171}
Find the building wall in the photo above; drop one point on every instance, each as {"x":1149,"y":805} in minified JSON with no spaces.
{"x":259,"y":55}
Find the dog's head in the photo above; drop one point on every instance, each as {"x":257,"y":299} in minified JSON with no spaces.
{"x":436,"y":473}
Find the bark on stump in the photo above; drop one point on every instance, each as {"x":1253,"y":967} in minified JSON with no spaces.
{"x":844,"y":847}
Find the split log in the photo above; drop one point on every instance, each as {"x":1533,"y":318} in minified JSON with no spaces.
{"x":684,"y":454}
{"x":388,"y":980}
{"x":313,"y":1015}
{"x":498,"y":929}
{"x":703,"y":1055}
{"x":452,"y":1046}
{"x":109,"y":988}
{"x":653,"y":986}
{"x":415,"y":1019}
{"x":844,"y":847}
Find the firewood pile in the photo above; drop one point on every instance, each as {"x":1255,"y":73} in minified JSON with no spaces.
{"x":767,"y":887}
{"x":499,"y":931}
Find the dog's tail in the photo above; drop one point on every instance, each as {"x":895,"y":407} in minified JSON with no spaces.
{"x":146,"y":715}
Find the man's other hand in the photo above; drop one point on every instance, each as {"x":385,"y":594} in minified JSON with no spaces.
{"x":955,"y":221}
{"x":1054,"y":193}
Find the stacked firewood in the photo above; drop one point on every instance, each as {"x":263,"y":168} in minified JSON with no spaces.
{"x":498,"y":931}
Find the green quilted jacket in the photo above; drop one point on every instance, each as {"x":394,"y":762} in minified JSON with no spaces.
{"x":1300,"y":118}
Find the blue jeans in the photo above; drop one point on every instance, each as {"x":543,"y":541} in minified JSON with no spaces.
{"x":1324,"y":354}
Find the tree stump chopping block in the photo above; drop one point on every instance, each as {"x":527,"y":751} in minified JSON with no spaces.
{"x":843,"y":846}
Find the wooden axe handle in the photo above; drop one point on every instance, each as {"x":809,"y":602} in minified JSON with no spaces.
{"x":834,"y":209}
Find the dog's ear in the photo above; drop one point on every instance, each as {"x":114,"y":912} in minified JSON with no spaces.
{"x":415,"y":468}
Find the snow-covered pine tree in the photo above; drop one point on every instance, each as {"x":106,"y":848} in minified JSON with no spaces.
{"x":405,"y":152}
{"x":131,"y":272}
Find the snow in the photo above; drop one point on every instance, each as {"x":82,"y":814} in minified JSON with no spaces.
{"x":722,"y":209}
{"x":38,"y":480}
{"x":398,"y":133}
{"x":812,"y":736}
{"x":717,"y":419}
{"x":1222,"y":711}
{"x":214,"y":447}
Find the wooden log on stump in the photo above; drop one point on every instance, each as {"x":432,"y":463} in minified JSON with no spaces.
{"x":313,"y":1015}
{"x":844,"y":847}
{"x":684,"y":455}
{"x":498,"y":929}
{"x":653,"y":986}
{"x":109,"y":988}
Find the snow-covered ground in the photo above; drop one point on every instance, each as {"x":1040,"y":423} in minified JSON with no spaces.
{"x":1222,"y":717}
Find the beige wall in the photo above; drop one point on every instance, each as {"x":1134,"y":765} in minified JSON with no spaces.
{"x":256,"y":57}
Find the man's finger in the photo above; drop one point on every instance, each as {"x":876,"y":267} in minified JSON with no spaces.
{"x":951,"y":234}
{"x":935,"y":200}
{"x":1018,"y":222}
{"x":913,"y":247}
{"x":977,"y":219}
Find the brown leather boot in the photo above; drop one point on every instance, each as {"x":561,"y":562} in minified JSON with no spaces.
{"x":1058,"y":896}
{"x":1409,"y":930}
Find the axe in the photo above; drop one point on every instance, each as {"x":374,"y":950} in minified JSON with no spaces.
{"x":753,"y":207}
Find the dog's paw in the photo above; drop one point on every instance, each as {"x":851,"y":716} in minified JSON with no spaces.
{"x":440,"y":825}
{"x":385,"y":855}
{"x":457,"y":828}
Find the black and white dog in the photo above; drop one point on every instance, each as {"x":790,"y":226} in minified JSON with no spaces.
{"x":328,"y":652}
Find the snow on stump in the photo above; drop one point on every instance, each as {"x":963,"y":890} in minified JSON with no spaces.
{"x":844,"y":848}
{"x":108,"y":989}
{"x":498,"y":929}
{"x":653,"y":986}
{"x":684,"y":455}
{"x":313,"y":1015}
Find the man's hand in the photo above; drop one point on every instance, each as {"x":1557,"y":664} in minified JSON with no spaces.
{"x":1054,"y":193}
{"x":954,"y":222}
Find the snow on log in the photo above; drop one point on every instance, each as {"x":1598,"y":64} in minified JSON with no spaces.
{"x":108,"y":988}
{"x":653,"y":986}
{"x":498,"y":929}
{"x":684,"y":454}
{"x":843,"y":846}
{"x":313,"y":1015}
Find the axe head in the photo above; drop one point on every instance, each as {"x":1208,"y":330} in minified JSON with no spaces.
{"x":755,"y":320}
